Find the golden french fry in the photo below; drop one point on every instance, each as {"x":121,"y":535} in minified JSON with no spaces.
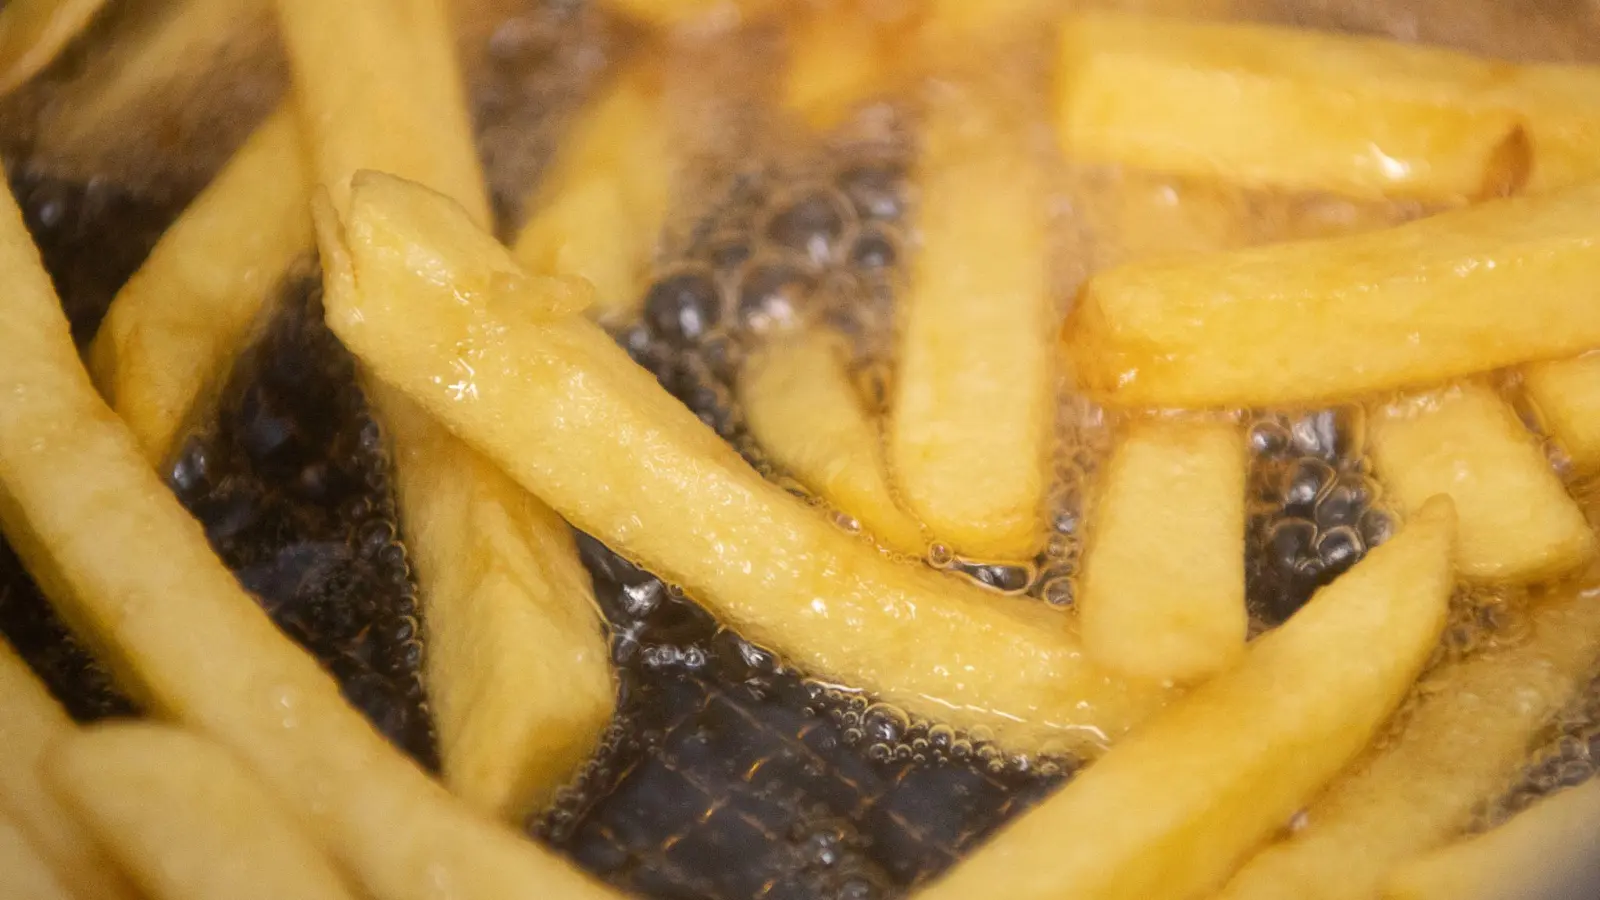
{"x":132,"y":572}
{"x":518,"y":670}
{"x":1163,"y":590}
{"x":838,"y":59}
{"x":27,"y":875}
{"x":1466,"y":735}
{"x":1517,"y":522}
{"x":1304,"y":110}
{"x":186,"y":819}
{"x":175,"y":328}
{"x":1498,"y":284}
{"x":1541,"y":852}
{"x":973,"y":405}
{"x":441,"y":311}
{"x":32,"y":32}
{"x":1170,"y":810}
{"x":1567,"y":394}
{"x":676,"y":13}
{"x":601,"y":209}
{"x":379,"y":88}
{"x":31,"y":721}
{"x":807,"y":416}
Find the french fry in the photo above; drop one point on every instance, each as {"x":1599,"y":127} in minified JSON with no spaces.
{"x":1466,"y":735}
{"x":27,"y":875}
{"x":807,"y":416}
{"x":30,"y":721}
{"x":1170,"y":810}
{"x":838,"y":59}
{"x":677,"y":13}
{"x":32,"y":32}
{"x":598,"y":439}
{"x":175,"y":328}
{"x":132,"y":572}
{"x":186,"y":819}
{"x":1517,"y":522}
{"x":1567,"y":393}
{"x":601,"y":209}
{"x":1290,"y":108}
{"x":1163,"y":591}
{"x":1498,"y":284}
{"x":973,"y":402}
{"x":518,"y":671}
{"x":1539,"y":853}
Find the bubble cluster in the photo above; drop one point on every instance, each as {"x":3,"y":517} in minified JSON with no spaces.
{"x":292,"y":483}
{"x":1566,"y":753}
{"x":1314,"y":507}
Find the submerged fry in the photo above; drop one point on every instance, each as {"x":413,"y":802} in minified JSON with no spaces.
{"x":838,"y":58}
{"x":1170,"y":810}
{"x":1517,"y":522}
{"x":1539,"y":853}
{"x":31,"y":721}
{"x":132,"y":572}
{"x":972,"y":416}
{"x":1567,"y":394}
{"x":32,"y":32}
{"x":175,"y":328}
{"x":1463,"y":741}
{"x":27,"y":875}
{"x":599,"y":211}
{"x":1163,"y":590}
{"x":1304,"y":110}
{"x":518,"y":671}
{"x":808,"y":418}
{"x":1498,"y":284}
{"x":185,"y":819}
{"x":439,"y":310}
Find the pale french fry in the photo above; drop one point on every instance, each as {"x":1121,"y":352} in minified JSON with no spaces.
{"x":972,"y":415}
{"x":176,"y":327}
{"x":379,"y":88}
{"x":1304,"y":110}
{"x":1498,"y":284}
{"x":185,"y":818}
{"x":1170,"y":810}
{"x":807,"y":416}
{"x":597,"y":438}
{"x":31,"y":721}
{"x":1517,"y":522}
{"x":518,"y":671}
{"x":838,"y":59}
{"x":676,"y":13}
{"x":1466,"y":735}
{"x":1542,"y":852}
{"x":601,"y":209}
{"x":32,"y":32}
{"x":1567,"y":393}
{"x":132,"y":572}
{"x":26,"y":874}
{"x":1163,"y":591}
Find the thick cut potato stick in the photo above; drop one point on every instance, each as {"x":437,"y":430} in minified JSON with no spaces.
{"x":176,"y":327}
{"x":1465,"y":736}
{"x":442,"y":312}
{"x":1567,"y":394}
{"x":1163,"y":591}
{"x":599,"y":212}
{"x":24,"y":874}
{"x":1296,"y":109}
{"x":1543,"y":852}
{"x":1498,"y":284}
{"x":1169,"y":811}
{"x":838,"y":59}
{"x":807,"y":416}
{"x":32,"y":32}
{"x":185,"y":819}
{"x":1517,"y":522}
{"x":379,"y":88}
{"x":131,"y":571}
{"x":518,"y":670}
{"x":972,"y":414}
{"x":30,"y":722}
